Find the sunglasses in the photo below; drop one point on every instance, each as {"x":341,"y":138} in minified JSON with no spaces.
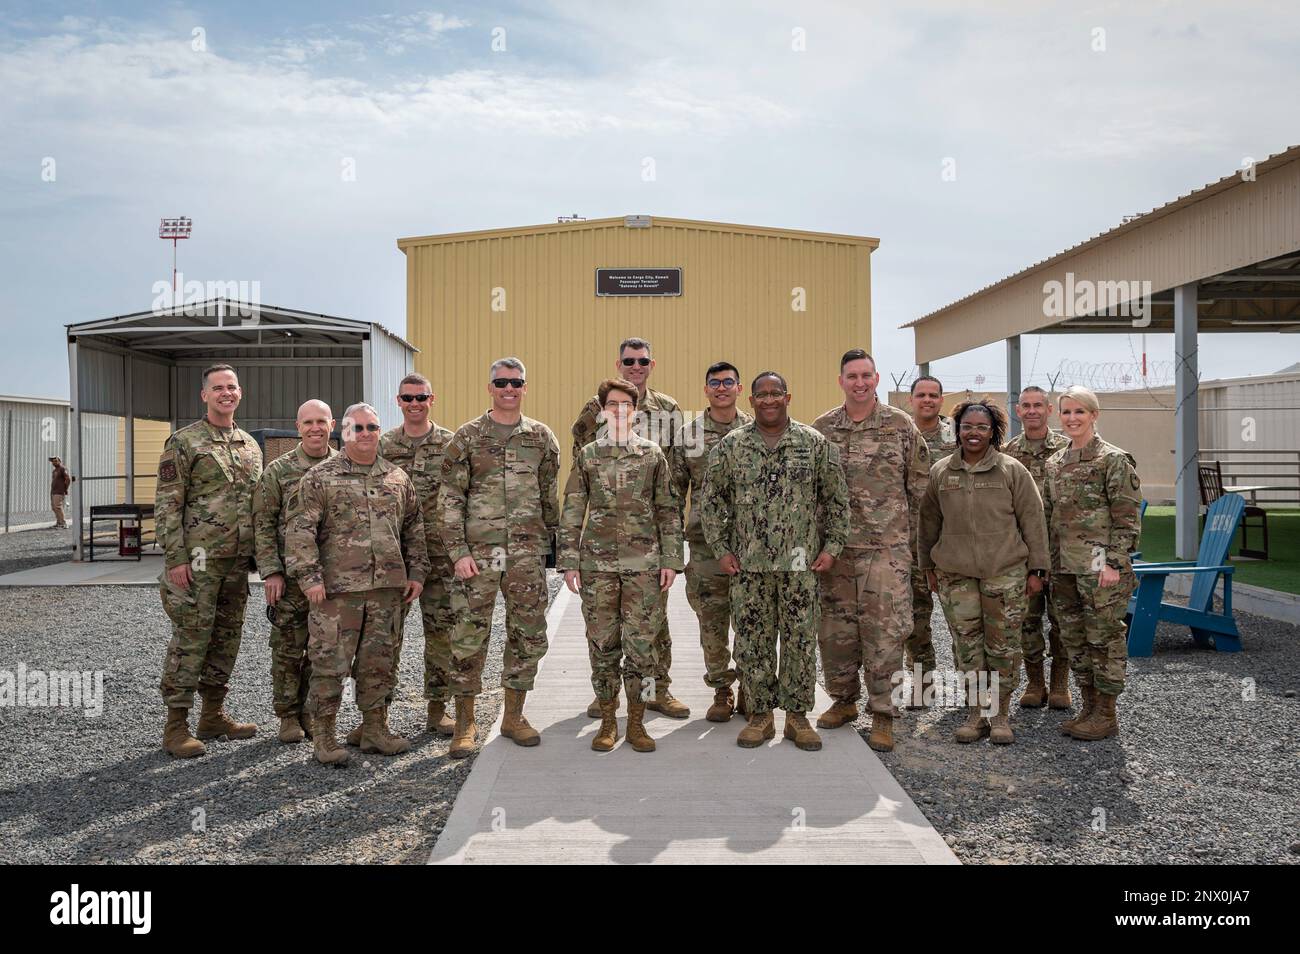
{"x":366,"y":427}
{"x":408,"y":398}
{"x":507,"y":382}
{"x":628,"y":362}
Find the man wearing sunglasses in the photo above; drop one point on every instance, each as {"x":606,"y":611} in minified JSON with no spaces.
{"x":356,"y":548}
{"x":867,"y":596}
{"x":658,"y":417}
{"x":708,"y":588}
{"x":417,"y":446}
{"x":498,"y":509}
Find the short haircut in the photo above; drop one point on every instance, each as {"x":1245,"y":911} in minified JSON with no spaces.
{"x":1085,"y":396}
{"x":927,"y":377}
{"x":616,"y":384}
{"x":637,"y":343}
{"x":352,"y":410}
{"x":218,"y":367}
{"x":717,"y":366}
{"x":513,"y":363}
{"x":997,"y":417}
{"x":415,"y":377}
{"x":856,"y":354}
{"x":769,"y":374}
{"x":1034,"y":387}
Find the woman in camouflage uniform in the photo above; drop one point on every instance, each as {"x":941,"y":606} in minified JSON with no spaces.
{"x":983,"y":546}
{"x":1093,"y":501}
{"x":625,"y":558}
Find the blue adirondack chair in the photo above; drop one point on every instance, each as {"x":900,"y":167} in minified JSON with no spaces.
{"x":1211,"y":630}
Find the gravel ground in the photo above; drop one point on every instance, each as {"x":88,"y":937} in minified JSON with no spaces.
{"x":82,"y":789}
{"x":1198,"y":774}
{"x":25,"y":549}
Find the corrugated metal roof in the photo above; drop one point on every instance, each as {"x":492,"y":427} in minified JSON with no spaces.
{"x":1196,"y":195}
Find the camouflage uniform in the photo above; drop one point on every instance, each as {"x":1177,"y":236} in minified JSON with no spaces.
{"x":776,"y":509}
{"x":273,"y":502}
{"x":658,"y":418}
{"x":497,"y":503}
{"x":982,"y":530}
{"x":204,"y":516}
{"x":1034,"y":455}
{"x":1093,"y":505}
{"x":867,"y":596}
{"x":708,"y":589}
{"x":357,"y":530}
{"x":421,"y":458}
{"x":633,"y":530}
{"x":919,"y":646}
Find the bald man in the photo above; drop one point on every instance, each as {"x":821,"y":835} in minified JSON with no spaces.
{"x":273,"y":503}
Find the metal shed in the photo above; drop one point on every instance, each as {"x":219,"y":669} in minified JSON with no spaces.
{"x":149,"y":364}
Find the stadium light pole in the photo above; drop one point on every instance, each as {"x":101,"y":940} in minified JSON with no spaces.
{"x":175,"y":230}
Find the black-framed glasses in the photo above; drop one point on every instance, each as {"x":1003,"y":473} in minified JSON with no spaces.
{"x":628,"y":362}
{"x":768,"y":395}
{"x":716,"y":383}
{"x":507,"y":382}
{"x":408,"y":398}
{"x":367,"y":427}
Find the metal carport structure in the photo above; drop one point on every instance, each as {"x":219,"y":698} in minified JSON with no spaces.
{"x":149,"y":365}
{"x":1223,"y":258}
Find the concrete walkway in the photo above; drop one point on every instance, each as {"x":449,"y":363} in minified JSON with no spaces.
{"x":699,"y":799}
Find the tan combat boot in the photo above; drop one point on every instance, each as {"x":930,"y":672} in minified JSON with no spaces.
{"x":841,"y":713}
{"x":607,"y":734}
{"x":438,"y":721}
{"x":637,"y":737}
{"x":462,"y":743}
{"x":723,"y":705}
{"x":1058,"y":697}
{"x":375,"y":736}
{"x":1102,"y":723}
{"x":798,"y":729}
{"x":514,"y":725}
{"x":760,"y":729}
{"x":354,"y":737}
{"x":1085,"y":709}
{"x":974,"y":728}
{"x":177,"y":740}
{"x":1035,"y":694}
{"x":882,"y":732}
{"x":1000,"y":725}
{"x":214,"y":722}
{"x":325,"y":746}
{"x":593,"y":710}
{"x":665,"y":703}
{"x":291,"y":729}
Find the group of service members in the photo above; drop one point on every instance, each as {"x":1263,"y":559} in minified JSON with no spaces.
{"x":825,"y":538}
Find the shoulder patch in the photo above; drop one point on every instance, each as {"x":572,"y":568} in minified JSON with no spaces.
{"x":167,"y":468}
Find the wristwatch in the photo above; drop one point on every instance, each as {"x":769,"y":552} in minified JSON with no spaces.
{"x":1041,"y":574}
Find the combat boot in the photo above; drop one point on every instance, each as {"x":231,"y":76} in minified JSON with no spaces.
{"x":882,"y":732}
{"x":177,"y":740}
{"x":1058,"y":696}
{"x":514,"y":725}
{"x":462,"y":743}
{"x":607,"y":734}
{"x":354,"y":737}
{"x":637,"y":737}
{"x":666,"y":703}
{"x":974,"y":728}
{"x":798,"y":729}
{"x":837,"y":715}
{"x":1000,"y":725}
{"x":375,"y":736}
{"x":1102,"y":723}
{"x":593,"y":710}
{"x":1085,"y":709}
{"x":214,"y":722}
{"x":326,"y":747}
{"x":760,"y":729}
{"x":291,"y":729}
{"x":438,"y":721}
{"x":723,"y":706}
{"x":1035,"y":694}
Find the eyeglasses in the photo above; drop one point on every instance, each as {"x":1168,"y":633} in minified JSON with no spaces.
{"x":768,"y":395}
{"x":716,"y":383}
{"x":982,"y":428}
{"x":366,"y":427}
{"x":628,"y":362}
{"x":507,"y":382}
{"x":408,"y":398}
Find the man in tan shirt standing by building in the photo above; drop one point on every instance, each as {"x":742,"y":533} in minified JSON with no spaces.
{"x":60,"y":481}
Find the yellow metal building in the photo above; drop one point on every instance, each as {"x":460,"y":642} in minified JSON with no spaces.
{"x":761,"y":298}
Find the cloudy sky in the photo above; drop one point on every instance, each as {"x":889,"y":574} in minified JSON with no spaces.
{"x":242,"y":115}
